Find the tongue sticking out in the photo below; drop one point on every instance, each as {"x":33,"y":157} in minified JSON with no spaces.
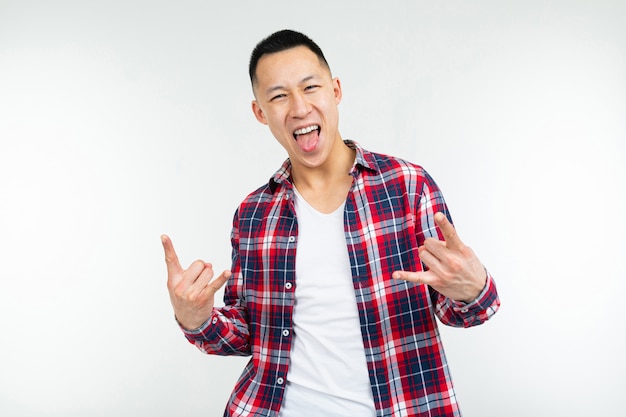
{"x":308,"y":141}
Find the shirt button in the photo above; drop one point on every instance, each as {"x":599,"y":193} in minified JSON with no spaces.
{"x":288,"y":285}
{"x":285,"y":332}
{"x":464,"y":310}
{"x":214,"y":320}
{"x":280,"y":381}
{"x":292,"y":239}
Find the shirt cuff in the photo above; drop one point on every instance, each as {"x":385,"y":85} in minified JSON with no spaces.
{"x":480,"y":302}
{"x":202,"y":330}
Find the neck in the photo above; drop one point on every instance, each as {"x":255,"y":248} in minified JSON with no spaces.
{"x":336,"y":168}
{"x":326,"y":187}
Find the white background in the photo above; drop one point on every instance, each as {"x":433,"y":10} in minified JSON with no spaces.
{"x":122,"y":120}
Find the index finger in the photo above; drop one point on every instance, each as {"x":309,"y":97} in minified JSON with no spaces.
{"x":453,"y":241}
{"x":171,"y":259}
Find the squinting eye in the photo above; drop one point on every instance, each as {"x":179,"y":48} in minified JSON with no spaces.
{"x":277,"y":97}
{"x":311,"y":87}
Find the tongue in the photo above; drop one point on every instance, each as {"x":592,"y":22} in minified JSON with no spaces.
{"x":309,"y":141}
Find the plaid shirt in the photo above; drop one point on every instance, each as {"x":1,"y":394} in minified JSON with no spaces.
{"x":388,"y":214}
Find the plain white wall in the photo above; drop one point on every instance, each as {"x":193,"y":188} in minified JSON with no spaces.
{"x":122,"y":120}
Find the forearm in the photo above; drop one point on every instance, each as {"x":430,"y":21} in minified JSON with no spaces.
{"x":224,"y":333}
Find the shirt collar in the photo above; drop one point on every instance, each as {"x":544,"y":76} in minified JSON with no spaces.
{"x":364,"y":160}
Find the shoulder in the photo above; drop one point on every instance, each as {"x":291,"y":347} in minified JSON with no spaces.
{"x":272,"y":190}
{"x":389,"y":167}
{"x":388,"y":163}
{"x":260,"y":196}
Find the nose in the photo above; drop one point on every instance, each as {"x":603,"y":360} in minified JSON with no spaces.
{"x":300,"y":106}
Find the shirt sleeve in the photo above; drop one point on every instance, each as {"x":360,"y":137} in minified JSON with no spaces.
{"x":226,"y":332}
{"x":451,"y":312}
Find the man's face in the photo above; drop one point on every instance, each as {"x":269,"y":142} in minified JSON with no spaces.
{"x":297,"y":98}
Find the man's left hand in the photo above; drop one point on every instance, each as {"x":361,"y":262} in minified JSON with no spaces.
{"x":453,"y":268}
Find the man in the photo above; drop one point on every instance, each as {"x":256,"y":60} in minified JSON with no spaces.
{"x":340,"y":264}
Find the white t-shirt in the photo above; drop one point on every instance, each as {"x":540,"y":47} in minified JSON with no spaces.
{"x":328,"y":373}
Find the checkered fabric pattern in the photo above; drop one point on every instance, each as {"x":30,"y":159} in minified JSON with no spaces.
{"x":388,"y":214}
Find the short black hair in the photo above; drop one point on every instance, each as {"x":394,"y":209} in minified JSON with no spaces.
{"x":281,"y":41}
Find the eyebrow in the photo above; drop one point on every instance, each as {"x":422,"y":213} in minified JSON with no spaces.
{"x":280,"y":87}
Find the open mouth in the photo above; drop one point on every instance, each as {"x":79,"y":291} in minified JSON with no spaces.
{"x":307,"y":138}
{"x":306,"y":131}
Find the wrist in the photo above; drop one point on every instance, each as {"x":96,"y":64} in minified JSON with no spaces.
{"x":191,"y":326}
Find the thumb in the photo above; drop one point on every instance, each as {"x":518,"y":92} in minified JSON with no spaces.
{"x":417,"y":277}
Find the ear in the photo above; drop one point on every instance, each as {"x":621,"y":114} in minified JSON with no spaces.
{"x":258,"y":112}
{"x":337,"y":90}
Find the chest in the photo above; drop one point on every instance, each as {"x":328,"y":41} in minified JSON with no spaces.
{"x":378,"y":232}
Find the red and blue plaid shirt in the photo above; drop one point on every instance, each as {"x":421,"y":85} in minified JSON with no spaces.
{"x":388,"y":214}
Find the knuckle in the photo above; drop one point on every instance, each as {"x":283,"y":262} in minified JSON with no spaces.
{"x":198,"y":263}
{"x":455,"y":265}
{"x":181,"y":292}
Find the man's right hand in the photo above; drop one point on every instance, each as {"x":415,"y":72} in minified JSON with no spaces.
{"x":192,"y":290}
